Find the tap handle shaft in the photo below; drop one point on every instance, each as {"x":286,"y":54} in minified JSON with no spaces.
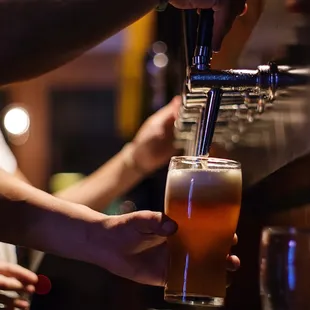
{"x":190,"y":22}
{"x":203,"y":50}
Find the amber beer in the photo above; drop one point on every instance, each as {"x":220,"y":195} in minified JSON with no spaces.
{"x":203,"y":196}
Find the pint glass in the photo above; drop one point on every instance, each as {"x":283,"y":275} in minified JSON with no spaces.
{"x":203,"y":196}
{"x":284,"y":268}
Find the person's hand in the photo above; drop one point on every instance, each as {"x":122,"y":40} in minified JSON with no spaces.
{"x":152,"y":146}
{"x":233,"y":262}
{"x":136,"y":248}
{"x":15,"y":280}
{"x":225,"y":13}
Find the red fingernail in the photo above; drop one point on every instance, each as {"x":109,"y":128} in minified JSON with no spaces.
{"x":43,"y":286}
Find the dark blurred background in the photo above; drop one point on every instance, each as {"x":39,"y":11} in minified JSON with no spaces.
{"x":82,"y":114}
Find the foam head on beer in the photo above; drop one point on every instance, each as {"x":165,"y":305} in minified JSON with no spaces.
{"x":183,"y":180}
{"x":205,"y":203}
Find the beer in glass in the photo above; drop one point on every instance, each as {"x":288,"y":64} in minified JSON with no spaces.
{"x":203,"y":196}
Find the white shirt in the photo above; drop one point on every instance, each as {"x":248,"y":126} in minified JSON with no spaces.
{"x":9,"y":164}
{"x":8,"y":251}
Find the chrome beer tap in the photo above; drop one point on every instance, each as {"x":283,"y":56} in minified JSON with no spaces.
{"x":206,"y":104}
{"x":211,"y":96}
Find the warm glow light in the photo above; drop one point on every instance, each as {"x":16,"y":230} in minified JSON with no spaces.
{"x":17,"y":121}
{"x":160,"y":60}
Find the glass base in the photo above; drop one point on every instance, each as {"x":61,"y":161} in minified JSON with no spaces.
{"x":194,"y":300}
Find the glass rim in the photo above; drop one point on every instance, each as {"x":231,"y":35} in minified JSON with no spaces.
{"x":285,"y":230}
{"x":212,"y":160}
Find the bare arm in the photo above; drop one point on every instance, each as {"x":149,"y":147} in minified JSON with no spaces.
{"x":110,"y":181}
{"x":107,"y":183}
{"x":151,"y":148}
{"x":35,"y":219}
{"x":40,"y":35}
{"x":125,"y":245}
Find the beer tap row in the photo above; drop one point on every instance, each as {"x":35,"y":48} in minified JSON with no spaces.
{"x":213,"y":98}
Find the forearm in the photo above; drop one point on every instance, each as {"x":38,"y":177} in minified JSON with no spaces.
{"x":40,"y":35}
{"x":32,"y":218}
{"x":110,"y":181}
